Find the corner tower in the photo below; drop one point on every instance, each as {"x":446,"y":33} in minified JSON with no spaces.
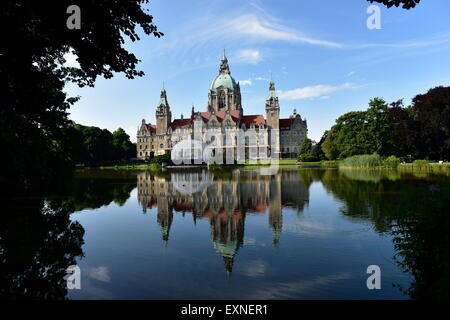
{"x":272,"y":108}
{"x":163,"y":114}
{"x":224,"y":92}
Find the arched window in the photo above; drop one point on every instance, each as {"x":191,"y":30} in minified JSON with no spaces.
{"x":222,"y":100}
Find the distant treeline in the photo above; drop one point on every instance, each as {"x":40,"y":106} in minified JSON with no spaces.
{"x":92,"y":145}
{"x":419,"y":131}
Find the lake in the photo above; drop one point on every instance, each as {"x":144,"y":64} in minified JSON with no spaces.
{"x":231,"y":234}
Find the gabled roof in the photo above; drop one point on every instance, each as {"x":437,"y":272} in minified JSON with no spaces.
{"x":285,"y":122}
{"x":180,"y":123}
{"x":257,"y":119}
{"x":235,"y":115}
{"x":152,"y":129}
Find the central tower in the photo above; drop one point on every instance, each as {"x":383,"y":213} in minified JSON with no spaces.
{"x":224,"y":92}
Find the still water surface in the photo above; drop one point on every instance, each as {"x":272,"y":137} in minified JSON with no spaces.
{"x":195,"y":234}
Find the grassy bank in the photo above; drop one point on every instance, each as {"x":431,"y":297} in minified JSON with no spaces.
{"x":360,"y":162}
{"x":375,"y":162}
{"x":150,"y":166}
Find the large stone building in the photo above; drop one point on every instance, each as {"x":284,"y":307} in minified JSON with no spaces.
{"x":223,"y":122}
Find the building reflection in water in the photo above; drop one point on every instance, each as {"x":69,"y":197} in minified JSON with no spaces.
{"x":224,"y":202}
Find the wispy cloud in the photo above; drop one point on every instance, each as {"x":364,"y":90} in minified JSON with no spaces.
{"x":305,"y":288}
{"x":249,"y":56}
{"x":254,"y":26}
{"x":235,"y":27}
{"x":409,"y":44}
{"x":318,"y":91}
{"x":100,"y":273}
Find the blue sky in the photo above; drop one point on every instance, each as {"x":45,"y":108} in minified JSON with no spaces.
{"x":323,"y":58}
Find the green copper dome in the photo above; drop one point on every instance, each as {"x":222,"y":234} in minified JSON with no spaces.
{"x":223,"y":80}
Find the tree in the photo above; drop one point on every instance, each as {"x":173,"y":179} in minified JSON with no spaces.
{"x":431,"y":114}
{"x":404,"y":130}
{"x":377,"y":128}
{"x":406,"y":4}
{"x":317,"y":150}
{"x":421,"y":130}
{"x":308,"y":152}
{"x":360,"y":132}
{"x":122,"y":145}
{"x":33,"y":113}
{"x":96,"y":146}
{"x":305,"y":146}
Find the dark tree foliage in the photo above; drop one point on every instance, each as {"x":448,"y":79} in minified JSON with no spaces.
{"x":164,"y":158}
{"x":317,"y":151}
{"x":406,"y":4}
{"x":360,"y":132}
{"x":33,"y":113}
{"x":307,"y":152}
{"x":420,"y":131}
{"x":305,"y":146}
{"x":404,"y":131}
{"x":92,"y":190}
{"x":124,"y":149}
{"x":100,"y":146}
{"x":431,"y":115}
{"x":38,"y":243}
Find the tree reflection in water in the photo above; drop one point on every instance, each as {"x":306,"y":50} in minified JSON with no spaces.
{"x":415,"y":209}
{"x":38,"y":240}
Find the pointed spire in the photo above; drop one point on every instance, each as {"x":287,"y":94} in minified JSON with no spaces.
{"x":224,"y":68}
{"x":228,"y":264}
{"x":272,"y":93}
{"x":163,"y":98}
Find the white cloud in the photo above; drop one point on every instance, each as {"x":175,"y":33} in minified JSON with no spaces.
{"x":247,"y":82}
{"x":352,"y":73}
{"x":319,"y":91}
{"x":100,"y":273}
{"x":249,"y":56}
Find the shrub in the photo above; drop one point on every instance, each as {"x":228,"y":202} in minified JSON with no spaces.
{"x":421,"y":164}
{"x":391,"y":162}
{"x":329,"y":163}
{"x":164,"y":158}
{"x":364,"y":161}
{"x":306,"y":157}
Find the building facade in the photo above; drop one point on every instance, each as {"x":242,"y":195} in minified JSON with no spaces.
{"x":225,"y":124}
